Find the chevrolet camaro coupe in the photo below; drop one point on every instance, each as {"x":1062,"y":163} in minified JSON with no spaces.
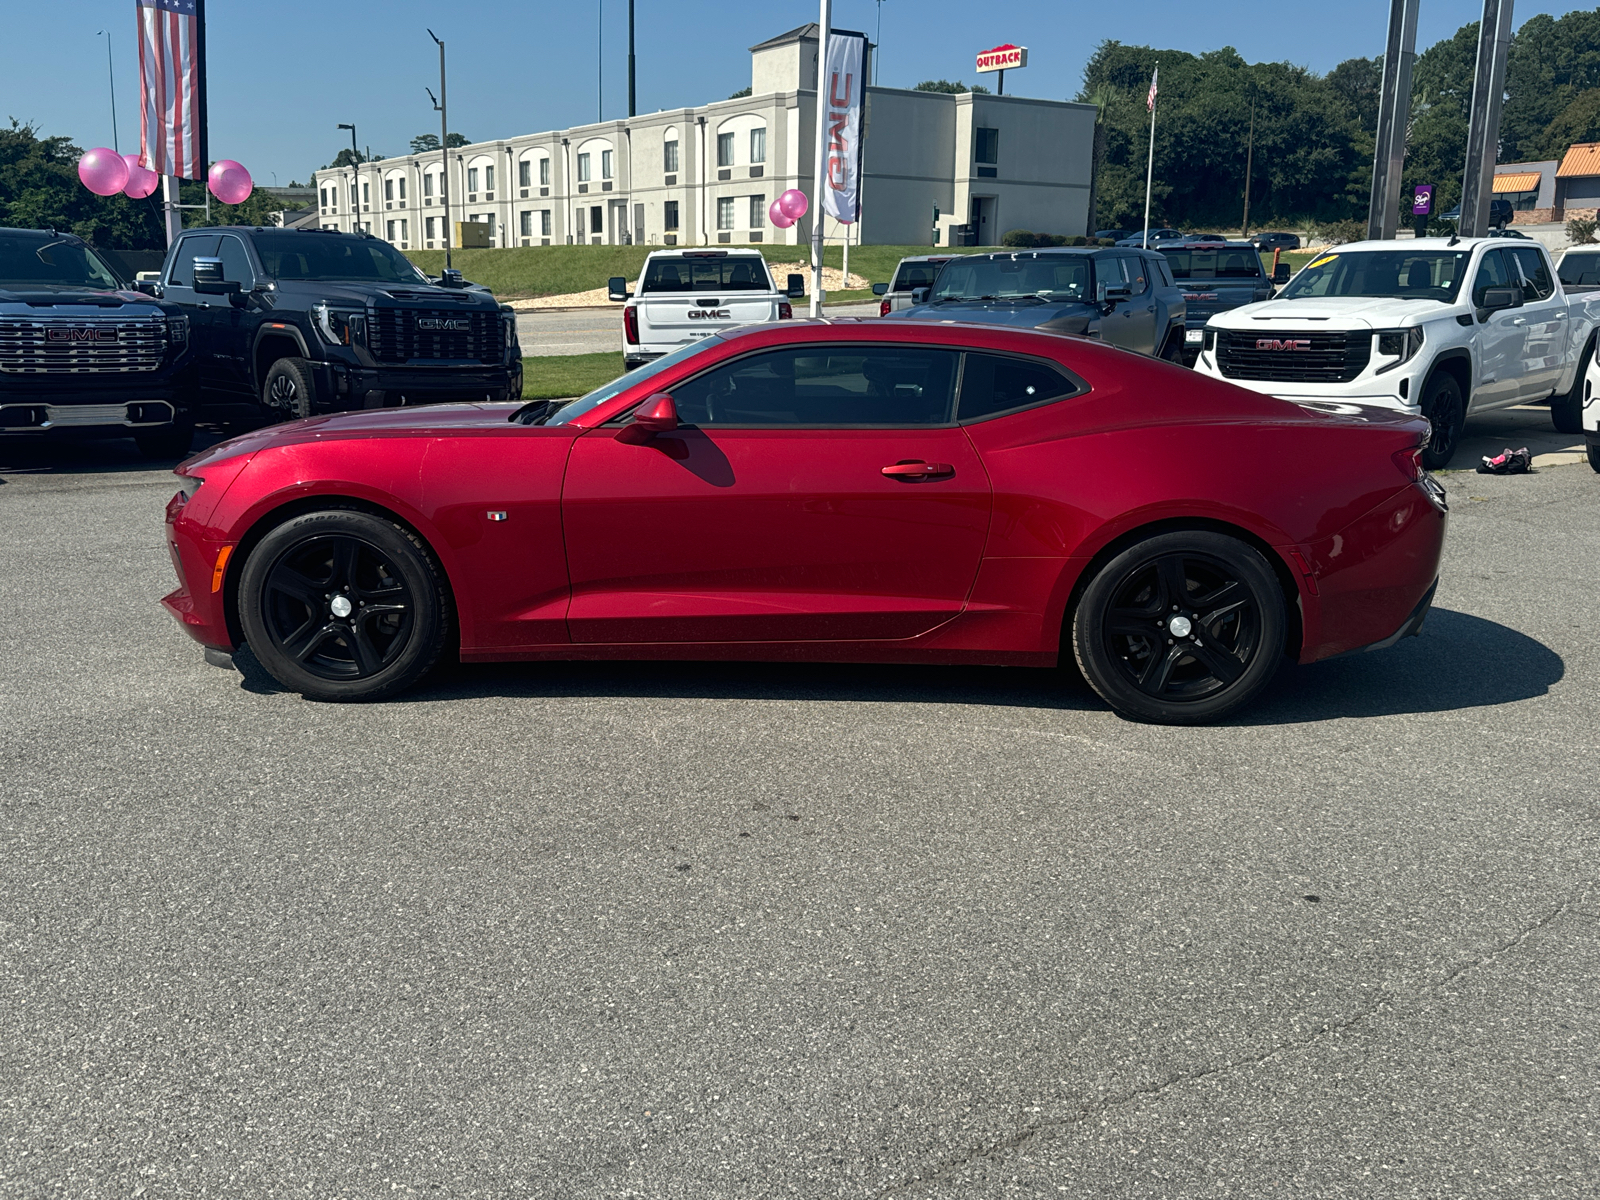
{"x":837,"y":491}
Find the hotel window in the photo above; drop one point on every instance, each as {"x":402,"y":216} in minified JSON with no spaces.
{"x":388,"y":189}
{"x":988,"y":146}
{"x":472,"y":179}
{"x":366,"y":194}
{"x":402,"y":187}
{"x":669,"y":157}
{"x":725,"y":212}
{"x":597,"y":219}
{"x":352,"y":196}
{"x":544,"y":172}
{"x":527,"y":223}
{"x":758,"y":212}
{"x":583,"y":168}
{"x":724,"y":149}
{"x":427,"y":186}
{"x":544,"y":223}
{"x":524,"y":174}
{"x":758,"y":145}
{"x":392,"y":226}
{"x":605,"y":164}
{"x":322,"y":193}
{"x":669,"y":214}
{"x":488,"y":179}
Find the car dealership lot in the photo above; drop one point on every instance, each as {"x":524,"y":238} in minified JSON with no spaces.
{"x":688,"y":930}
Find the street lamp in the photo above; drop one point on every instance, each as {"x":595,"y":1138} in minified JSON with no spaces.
{"x":111,"y":75}
{"x":355,"y":180}
{"x":444,"y":148}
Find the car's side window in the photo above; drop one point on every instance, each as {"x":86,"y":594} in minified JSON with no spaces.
{"x":236,"y":263}
{"x":1137,"y":274}
{"x":1536,"y":281}
{"x":195,"y":246}
{"x":995,"y":383}
{"x":1492,"y":273}
{"x":826,"y":387}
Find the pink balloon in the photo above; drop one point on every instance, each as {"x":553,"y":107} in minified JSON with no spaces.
{"x":141,"y":182}
{"x":794,"y":204}
{"x":778,"y":217}
{"x":103,"y":172}
{"x":229,"y":181}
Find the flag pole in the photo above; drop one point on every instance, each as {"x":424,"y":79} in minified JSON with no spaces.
{"x":825,"y":20}
{"x":1150,"y":165}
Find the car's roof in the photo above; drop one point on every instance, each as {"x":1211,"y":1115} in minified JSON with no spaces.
{"x":42,"y":233}
{"x":1433,"y":243}
{"x":929,"y":257}
{"x":705,"y":252}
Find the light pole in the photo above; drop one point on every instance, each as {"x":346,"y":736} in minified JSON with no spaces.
{"x":444,"y":150}
{"x":632,"y":109}
{"x":600,"y":59}
{"x":355,"y":180}
{"x":112,"y":77}
{"x":877,"y":44}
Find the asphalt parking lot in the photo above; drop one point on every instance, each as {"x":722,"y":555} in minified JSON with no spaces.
{"x":740,"y":931}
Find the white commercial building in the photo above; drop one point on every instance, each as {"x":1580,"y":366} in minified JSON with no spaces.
{"x":961,"y":168}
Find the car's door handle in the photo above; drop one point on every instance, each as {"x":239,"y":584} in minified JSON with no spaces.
{"x":913,"y":470}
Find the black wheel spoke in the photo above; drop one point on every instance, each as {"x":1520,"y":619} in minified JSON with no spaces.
{"x":345,"y":551}
{"x":293,"y":583}
{"x":1157,"y":671}
{"x":1127,"y":622}
{"x":307,"y":638}
{"x":1224,"y":601}
{"x":1174,"y":581}
{"x":368,"y":660}
{"x":1223,"y":665}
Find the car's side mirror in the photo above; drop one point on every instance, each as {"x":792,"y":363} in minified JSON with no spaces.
{"x":451,"y":278}
{"x":1280,"y":273}
{"x":797,"y":287}
{"x":1495,"y":299}
{"x":149,"y":287}
{"x":1110,"y":294}
{"x":208,"y":278}
{"x":617,"y":289}
{"x":658,"y":414}
{"x":880,"y":289}
{"x":920,"y":295}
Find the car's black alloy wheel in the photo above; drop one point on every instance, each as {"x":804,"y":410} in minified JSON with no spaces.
{"x":1443,"y":406}
{"x":289,"y":389}
{"x":343,"y":605}
{"x":1181,"y":628}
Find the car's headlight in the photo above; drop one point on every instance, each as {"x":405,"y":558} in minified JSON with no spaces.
{"x":188,"y":485}
{"x":178,"y":330}
{"x":1401,"y":345}
{"x":341,"y":326}
{"x":509,"y":320}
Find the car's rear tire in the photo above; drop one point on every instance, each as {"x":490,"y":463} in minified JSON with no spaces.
{"x":1443,"y":406}
{"x":1566,"y":408}
{"x":343,"y":605}
{"x":1150,"y":665}
{"x":1594,"y":456}
{"x":169,"y":441}
{"x":289,"y":390}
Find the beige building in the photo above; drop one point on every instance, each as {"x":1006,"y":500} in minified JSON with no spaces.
{"x":961,"y":168}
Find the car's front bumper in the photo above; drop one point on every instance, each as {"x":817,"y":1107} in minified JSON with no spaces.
{"x":92,"y":405}
{"x":393,"y":386}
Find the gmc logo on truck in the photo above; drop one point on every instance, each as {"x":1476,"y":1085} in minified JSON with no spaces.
{"x":81,"y":333}
{"x":1281,"y":344}
{"x":444,"y":324}
{"x":709,"y":314}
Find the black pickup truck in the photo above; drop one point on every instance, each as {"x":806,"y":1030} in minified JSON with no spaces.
{"x":82,"y":355}
{"x":287,"y":323}
{"x":1215,"y":278}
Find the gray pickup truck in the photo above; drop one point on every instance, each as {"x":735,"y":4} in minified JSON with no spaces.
{"x":1216,"y":278}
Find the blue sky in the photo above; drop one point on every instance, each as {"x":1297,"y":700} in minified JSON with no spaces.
{"x":283,"y":74}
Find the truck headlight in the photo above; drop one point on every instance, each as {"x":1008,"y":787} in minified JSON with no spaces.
{"x":1401,"y":345}
{"x":178,"y":331}
{"x":341,"y":326}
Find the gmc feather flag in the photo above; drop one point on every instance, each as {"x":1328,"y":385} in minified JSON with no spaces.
{"x":839,"y":101}
{"x":171,"y":88}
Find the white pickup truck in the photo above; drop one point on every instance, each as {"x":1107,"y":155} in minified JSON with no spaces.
{"x":685,"y":295}
{"x":1447,"y":327}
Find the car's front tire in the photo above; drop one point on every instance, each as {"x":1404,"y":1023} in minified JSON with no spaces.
{"x":289,"y":390}
{"x":1181,"y":628}
{"x":343,"y":605}
{"x":1566,"y":409}
{"x":1445,"y":410}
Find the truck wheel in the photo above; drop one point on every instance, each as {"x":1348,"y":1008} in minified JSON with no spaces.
{"x":288,"y":390}
{"x":1441,"y":404}
{"x":1173,"y":350}
{"x":167,"y":442}
{"x":1566,"y":409}
{"x":1594,"y":456}
{"x":343,"y":605}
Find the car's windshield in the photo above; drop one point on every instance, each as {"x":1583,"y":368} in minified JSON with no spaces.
{"x":1403,"y":274}
{"x":1231,"y":263}
{"x":1580,"y":270}
{"x":912,"y":275}
{"x":1052,"y":277}
{"x":318,"y":256}
{"x":52,"y":262}
{"x":576,"y":408}
{"x":744,"y":273}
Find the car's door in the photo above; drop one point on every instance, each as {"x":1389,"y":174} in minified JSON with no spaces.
{"x":812,"y":493}
{"x":1132,"y":324}
{"x":1544,"y":323}
{"x":232,"y":323}
{"x":1500,"y":335}
{"x":178,"y":287}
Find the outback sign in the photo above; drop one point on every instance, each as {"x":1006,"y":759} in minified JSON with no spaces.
{"x":1003,"y":58}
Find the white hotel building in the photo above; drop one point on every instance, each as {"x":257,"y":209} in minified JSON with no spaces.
{"x":702,"y":176}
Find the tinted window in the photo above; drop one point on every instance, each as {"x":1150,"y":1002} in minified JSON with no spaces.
{"x":745,"y":273}
{"x":991,"y":383}
{"x":1214,"y":264}
{"x":829,"y":387}
{"x":1580,"y":270}
{"x":1136,"y":273}
{"x":1493,"y":272}
{"x":318,"y":256}
{"x":1055,"y":276}
{"x":189,"y":249}
{"x":1536,"y":281}
{"x":915,"y":275}
{"x":45,"y":260}
{"x":236,"y":263}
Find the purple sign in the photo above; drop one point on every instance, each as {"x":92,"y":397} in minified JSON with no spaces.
{"x":1422,"y":200}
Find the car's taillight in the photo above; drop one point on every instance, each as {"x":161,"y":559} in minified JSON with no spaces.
{"x":1410,"y":463}
{"x":630,"y":325}
{"x":784,"y":311}
{"x":883,"y":307}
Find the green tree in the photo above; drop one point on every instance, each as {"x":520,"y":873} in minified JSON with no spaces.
{"x":1553,"y":61}
{"x":425,"y":142}
{"x":956,"y":88}
{"x":40,"y":189}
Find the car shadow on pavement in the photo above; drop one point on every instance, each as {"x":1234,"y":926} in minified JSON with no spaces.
{"x":1459,"y":661}
{"x":96,"y":456}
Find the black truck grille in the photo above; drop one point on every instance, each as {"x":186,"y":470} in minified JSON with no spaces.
{"x":81,"y":347}
{"x":1292,"y":357}
{"x":405,"y":334}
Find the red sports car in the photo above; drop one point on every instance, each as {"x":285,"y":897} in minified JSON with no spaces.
{"x":828,"y":491}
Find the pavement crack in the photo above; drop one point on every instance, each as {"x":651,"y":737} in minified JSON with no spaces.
{"x":1385,"y":999}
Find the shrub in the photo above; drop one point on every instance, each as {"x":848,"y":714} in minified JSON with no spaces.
{"x":1337,"y":232}
{"x":1580,"y":231}
{"x":1017,"y":238}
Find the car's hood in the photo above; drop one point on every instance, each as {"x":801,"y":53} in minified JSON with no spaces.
{"x":1340,"y":312}
{"x":1036,"y":315}
{"x":343,"y":292}
{"x":424,"y":420}
{"x":37,"y":294}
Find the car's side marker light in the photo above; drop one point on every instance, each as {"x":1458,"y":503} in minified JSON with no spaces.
{"x":221,"y":568}
{"x":496,"y":515}
{"x":1305,"y":569}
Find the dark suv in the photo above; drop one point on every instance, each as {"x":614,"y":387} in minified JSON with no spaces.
{"x":291,"y":322}
{"x":1215,"y":278}
{"x":1124,"y":297}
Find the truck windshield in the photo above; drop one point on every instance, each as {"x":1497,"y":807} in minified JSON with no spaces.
{"x":1214,"y":264}
{"x":746,"y":273}
{"x":316,"y":256}
{"x":1055,"y":277}
{"x":576,"y":408}
{"x":1402,"y":274}
{"x":52,"y":262}
{"x":1580,"y":270}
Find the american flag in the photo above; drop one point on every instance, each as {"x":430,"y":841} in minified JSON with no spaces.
{"x":171,"y":89}
{"x":1151,"y":102}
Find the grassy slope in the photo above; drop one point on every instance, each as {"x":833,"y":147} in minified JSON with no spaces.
{"x":524,"y":271}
